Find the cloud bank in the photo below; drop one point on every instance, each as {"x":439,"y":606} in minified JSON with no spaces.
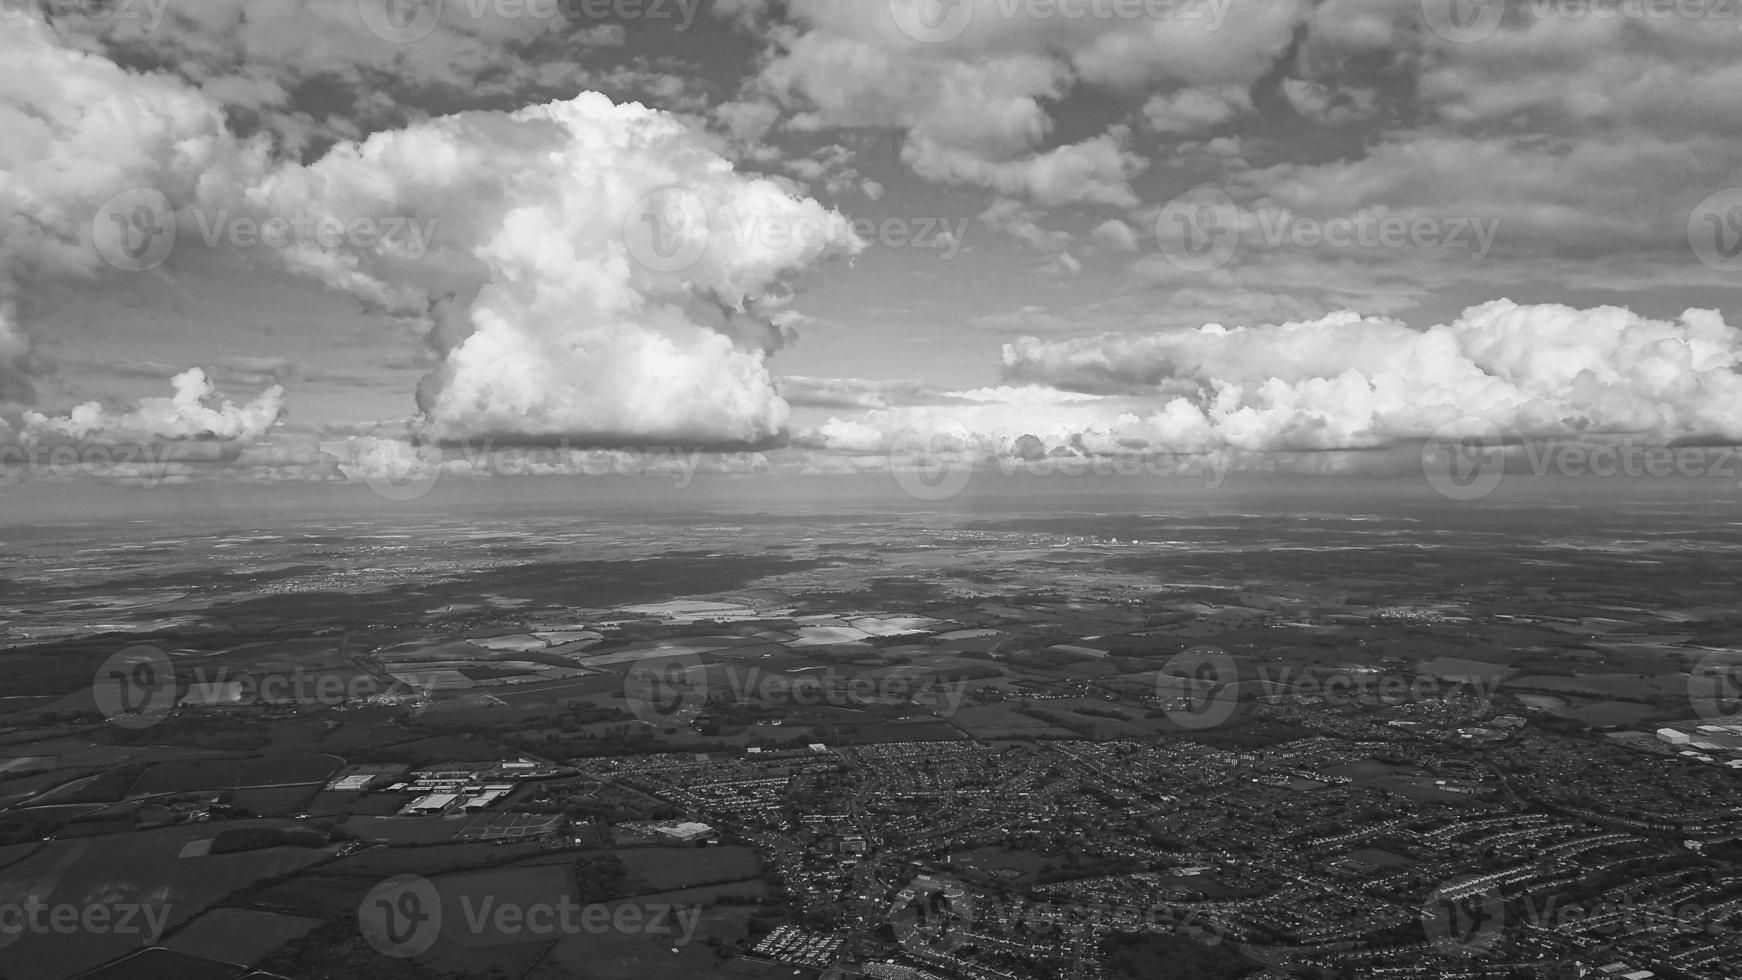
{"x":196,"y":411}
{"x":1344,"y":382}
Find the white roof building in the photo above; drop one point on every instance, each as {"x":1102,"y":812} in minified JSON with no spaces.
{"x":433,"y":803}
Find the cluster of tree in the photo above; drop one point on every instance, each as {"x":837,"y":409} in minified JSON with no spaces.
{"x":22,"y":828}
{"x":576,"y":715}
{"x":600,"y":878}
{"x":336,"y":950}
{"x":241,"y":839}
{"x":212,"y":729}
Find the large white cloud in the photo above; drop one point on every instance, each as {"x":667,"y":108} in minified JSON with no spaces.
{"x":553,"y":323}
{"x":515,"y":232}
{"x":1341,"y":382}
{"x":79,"y":130}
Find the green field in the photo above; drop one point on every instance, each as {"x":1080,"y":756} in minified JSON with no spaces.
{"x":143,"y":867}
{"x":242,"y":936}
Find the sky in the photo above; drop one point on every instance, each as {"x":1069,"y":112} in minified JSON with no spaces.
{"x":392,"y":242}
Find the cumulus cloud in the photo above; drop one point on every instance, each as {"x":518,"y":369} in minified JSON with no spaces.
{"x":1347,"y":381}
{"x":1194,"y":110}
{"x":196,"y":411}
{"x":515,"y":233}
{"x":1117,"y":235}
{"x":551,"y":321}
{"x":80,"y":130}
{"x":1343,"y":382}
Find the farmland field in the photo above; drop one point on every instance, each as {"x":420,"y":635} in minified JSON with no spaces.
{"x":110,"y":871}
{"x":242,"y":936}
{"x":216,"y":774}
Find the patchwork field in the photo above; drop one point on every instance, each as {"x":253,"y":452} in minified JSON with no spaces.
{"x":143,"y":868}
